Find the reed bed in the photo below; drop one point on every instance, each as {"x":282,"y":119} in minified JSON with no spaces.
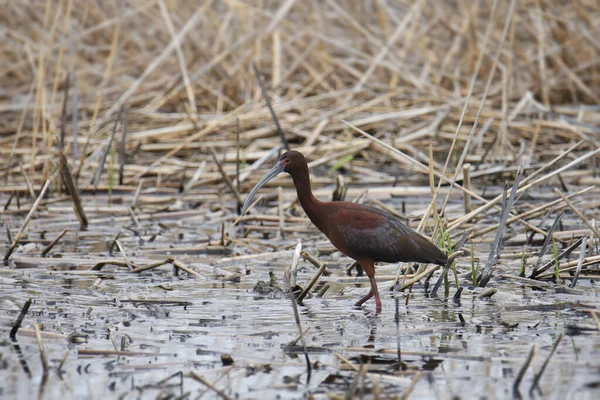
{"x":131,"y":132}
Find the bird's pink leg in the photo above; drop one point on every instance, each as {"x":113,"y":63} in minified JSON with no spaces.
{"x":367,"y":297}
{"x":375,"y":292}
{"x":369,"y":267}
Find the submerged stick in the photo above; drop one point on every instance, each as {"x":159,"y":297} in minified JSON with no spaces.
{"x":27,"y":219}
{"x":152,"y":266}
{"x":295,"y":263}
{"x":187,"y":269}
{"x":538,"y":376}
{"x":397,"y":320}
{"x":8,"y":235}
{"x":314,"y":261}
{"x":19,"y":321}
{"x":312,"y":282}
{"x":418,"y":277}
{"x":53,"y":243}
{"x":298,"y":324}
{"x":521,"y":373}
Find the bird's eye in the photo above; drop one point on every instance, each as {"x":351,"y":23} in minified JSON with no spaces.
{"x":287,"y":160}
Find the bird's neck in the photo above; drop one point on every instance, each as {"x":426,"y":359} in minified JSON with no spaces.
{"x":309,"y":203}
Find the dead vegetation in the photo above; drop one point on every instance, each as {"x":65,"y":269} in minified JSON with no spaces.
{"x":131,"y":131}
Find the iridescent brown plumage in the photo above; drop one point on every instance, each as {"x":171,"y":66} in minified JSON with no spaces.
{"x":363,"y":233}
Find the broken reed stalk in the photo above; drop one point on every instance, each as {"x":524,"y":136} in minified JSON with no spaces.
{"x":8,"y":234}
{"x":281,"y":212}
{"x":580,"y":262}
{"x":59,"y":369}
{"x":10,"y":197}
{"x":73,"y":192}
{"x":467,"y":185}
{"x":346,"y":361}
{"x":102,"y":352}
{"x":100,"y":168}
{"x":19,"y":321}
{"x":75,"y":113}
{"x":209,"y":385}
{"x":290,"y":291}
{"x":314,"y":261}
{"x":398,"y":341}
{"x":43,"y":357}
{"x":476,"y":232}
{"x":152,"y":266}
{"x":500,"y":45}
{"x":418,"y":277}
{"x":178,"y":264}
{"x":311,"y":283}
{"x":406,"y":394}
{"x":226,"y":178}
{"x":295,"y":263}
{"x":15,"y":241}
{"x":27,"y":182}
{"x":547,"y":242}
{"x":524,"y":187}
{"x":579,"y":214}
{"x":494,"y":250}
{"x":122,"y":145}
{"x":237,"y":160}
{"x":562,"y":255}
{"x":158,"y":95}
{"x":538,"y":376}
{"x":291,"y":344}
{"x":53,"y":243}
{"x":63,"y":116}
{"x":595,"y":318}
{"x":521,"y":373}
{"x":125,"y":258}
{"x":359,"y":376}
{"x":570,"y":266}
{"x":403,"y":157}
{"x":263,"y":89}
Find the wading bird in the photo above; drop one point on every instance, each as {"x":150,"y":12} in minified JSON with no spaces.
{"x":364,"y":233}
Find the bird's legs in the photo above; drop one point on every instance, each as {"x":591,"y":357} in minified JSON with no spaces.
{"x":362,"y":300}
{"x":369,"y":268}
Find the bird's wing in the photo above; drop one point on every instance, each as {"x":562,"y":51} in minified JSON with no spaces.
{"x":374,"y":234}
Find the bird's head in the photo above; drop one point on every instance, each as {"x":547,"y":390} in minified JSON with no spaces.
{"x":290,"y":162}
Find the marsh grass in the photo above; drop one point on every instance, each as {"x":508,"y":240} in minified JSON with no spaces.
{"x":397,"y":97}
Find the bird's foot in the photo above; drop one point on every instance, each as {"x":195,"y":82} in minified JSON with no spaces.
{"x":362,"y":301}
{"x":378,"y":305}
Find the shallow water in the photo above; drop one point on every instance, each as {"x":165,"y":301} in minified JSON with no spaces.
{"x":182,"y":324}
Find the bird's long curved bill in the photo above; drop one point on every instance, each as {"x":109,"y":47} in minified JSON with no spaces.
{"x":276,"y":170}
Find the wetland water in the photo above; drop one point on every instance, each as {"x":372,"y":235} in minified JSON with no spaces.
{"x":119,"y":334}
